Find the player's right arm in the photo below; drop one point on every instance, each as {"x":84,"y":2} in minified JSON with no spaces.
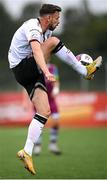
{"x":39,"y":58}
{"x":33,"y":33}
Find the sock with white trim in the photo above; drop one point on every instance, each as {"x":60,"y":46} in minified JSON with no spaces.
{"x":34,"y":131}
{"x":68,"y":57}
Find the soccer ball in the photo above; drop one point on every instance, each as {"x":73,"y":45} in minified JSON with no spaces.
{"x":85,"y":59}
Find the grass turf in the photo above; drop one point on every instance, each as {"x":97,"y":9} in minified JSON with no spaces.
{"x":84,"y":155}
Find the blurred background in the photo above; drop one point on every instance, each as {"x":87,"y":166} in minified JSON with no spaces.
{"x":83,"y":29}
{"x":82,"y":103}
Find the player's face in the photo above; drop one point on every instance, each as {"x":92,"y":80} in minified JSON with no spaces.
{"x":54,"y":20}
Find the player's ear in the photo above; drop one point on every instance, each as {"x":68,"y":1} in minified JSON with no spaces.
{"x":49,"y":17}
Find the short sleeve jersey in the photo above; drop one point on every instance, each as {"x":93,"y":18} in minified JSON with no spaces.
{"x":20,"y":45}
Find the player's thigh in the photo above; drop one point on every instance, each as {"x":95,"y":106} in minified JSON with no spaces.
{"x":46,"y":51}
{"x":41,"y":103}
{"x":48,"y":46}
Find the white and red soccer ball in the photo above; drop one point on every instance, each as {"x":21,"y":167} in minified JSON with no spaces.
{"x":85,"y":59}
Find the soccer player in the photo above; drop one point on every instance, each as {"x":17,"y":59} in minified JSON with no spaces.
{"x":30,"y":49}
{"x":53,"y":89}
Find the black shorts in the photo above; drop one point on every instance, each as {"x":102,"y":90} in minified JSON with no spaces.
{"x":29,"y":75}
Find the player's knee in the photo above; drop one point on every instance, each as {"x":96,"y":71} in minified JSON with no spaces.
{"x":54,"y":40}
{"x":44,"y":112}
{"x":47,"y":112}
{"x":40,"y":109}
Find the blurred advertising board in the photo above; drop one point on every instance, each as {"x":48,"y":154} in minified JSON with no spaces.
{"x":82,"y":109}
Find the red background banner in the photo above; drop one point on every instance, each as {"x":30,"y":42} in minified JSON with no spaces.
{"x":76,"y":109}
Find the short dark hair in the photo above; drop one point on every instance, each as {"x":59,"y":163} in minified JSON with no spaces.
{"x":49,"y":9}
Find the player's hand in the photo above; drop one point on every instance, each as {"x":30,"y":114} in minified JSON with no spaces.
{"x":50,"y":77}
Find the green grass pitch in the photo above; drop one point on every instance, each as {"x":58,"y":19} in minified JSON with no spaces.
{"x":84,"y":155}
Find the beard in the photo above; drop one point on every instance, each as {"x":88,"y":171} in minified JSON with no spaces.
{"x":51,"y":28}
